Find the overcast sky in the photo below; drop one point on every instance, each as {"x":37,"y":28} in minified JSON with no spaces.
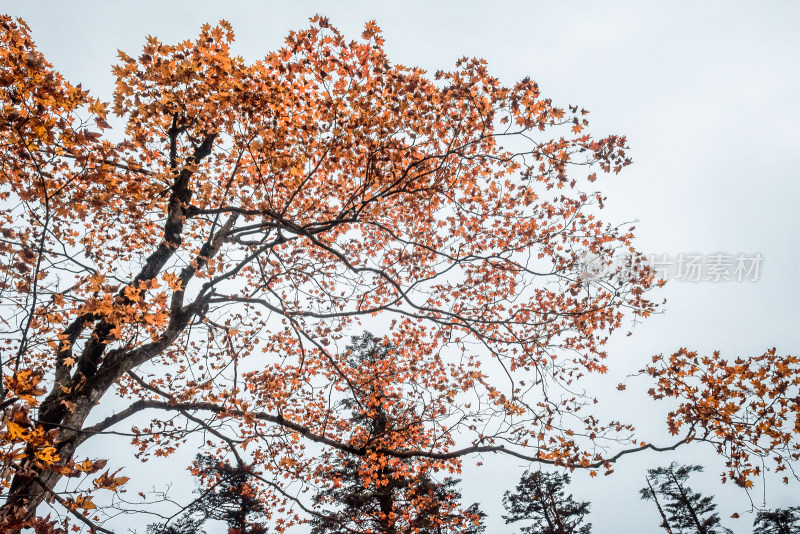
{"x":707,"y":94}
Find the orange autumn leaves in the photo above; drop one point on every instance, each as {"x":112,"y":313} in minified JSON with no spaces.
{"x":749,"y":408}
{"x":210,"y":268}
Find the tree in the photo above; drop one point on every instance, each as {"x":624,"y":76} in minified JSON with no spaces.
{"x":402,"y":496}
{"x":778,"y":521}
{"x":688,"y":511}
{"x":748,"y":409}
{"x":402,"y":505}
{"x":185,"y":524}
{"x":230,"y":498}
{"x":650,"y":493}
{"x":540,"y":497}
{"x":206,"y":269}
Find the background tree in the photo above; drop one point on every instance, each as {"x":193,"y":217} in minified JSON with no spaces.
{"x":778,"y":521}
{"x":650,"y":493}
{"x":402,"y":505}
{"x":688,"y":511}
{"x":402,"y":495}
{"x":226,"y":495}
{"x":541,"y":498}
{"x":186,"y":523}
{"x":207,"y":270}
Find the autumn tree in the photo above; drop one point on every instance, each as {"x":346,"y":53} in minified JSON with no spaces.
{"x":207,"y":267}
{"x":747,"y":408}
{"x":540,"y":499}
{"x":225,"y":495}
{"x":689,"y":511}
{"x":778,"y":521}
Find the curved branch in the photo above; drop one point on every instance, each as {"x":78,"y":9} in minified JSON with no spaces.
{"x":358,"y":451}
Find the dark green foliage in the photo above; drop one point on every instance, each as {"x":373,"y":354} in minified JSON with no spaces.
{"x":650,"y":493}
{"x":778,"y":521}
{"x":540,"y":498}
{"x":683,"y":511}
{"x":185,"y":524}
{"x":422,"y":505}
{"x":229,"y":499}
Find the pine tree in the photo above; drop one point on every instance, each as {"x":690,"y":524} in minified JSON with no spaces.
{"x":187,"y":523}
{"x":650,"y":493}
{"x":424,"y":506}
{"x":400,"y":496}
{"x":684,"y":511}
{"x":229,"y":499}
{"x":778,"y":521}
{"x":540,"y":497}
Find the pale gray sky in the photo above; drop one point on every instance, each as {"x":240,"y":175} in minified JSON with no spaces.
{"x":707,"y":93}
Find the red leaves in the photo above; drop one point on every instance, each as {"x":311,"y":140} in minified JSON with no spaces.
{"x":80,"y":502}
{"x":109,"y":482}
{"x":747,"y":408}
{"x":91,"y":466}
{"x":255,"y":214}
{"x":371,"y":30}
{"x":26,"y":385}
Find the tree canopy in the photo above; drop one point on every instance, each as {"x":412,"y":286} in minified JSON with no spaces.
{"x":382,"y":494}
{"x":541,"y":501}
{"x":682,"y":509}
{"x":209,"y":269}
{"x":778,"y":521}
{"x":225,"y":495}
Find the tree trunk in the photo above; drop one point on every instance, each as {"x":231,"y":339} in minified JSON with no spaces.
{"x":559,"y":521}
{"x":700,"y":528}
{"x":665,"y":524}
{"x":77,"y":390}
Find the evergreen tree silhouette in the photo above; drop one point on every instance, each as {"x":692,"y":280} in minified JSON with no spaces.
{"x":540,"y":497}
{"x":392,"y":502}
{"x":230,"y":499}
{"x":650,"y":493}
{"x":778,"y":521}
{"x":684,"y":511}
{"x":424,"y":506}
